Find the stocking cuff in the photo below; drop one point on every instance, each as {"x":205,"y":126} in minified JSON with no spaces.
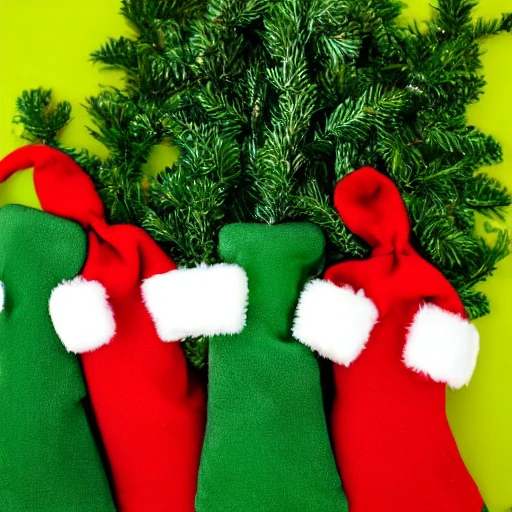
{"x":335,"y":321}
{"x":81,"y":315}
{"x":442,"y":345}
{"x":201,"y":301}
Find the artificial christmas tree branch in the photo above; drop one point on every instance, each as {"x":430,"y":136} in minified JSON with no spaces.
{"x":272,"y":102}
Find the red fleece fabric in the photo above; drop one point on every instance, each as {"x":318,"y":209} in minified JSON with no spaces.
{"x":60,"y":184}
{"x":392,"y":440}
{"x":149,"y":408}
{"x":151,"y":413}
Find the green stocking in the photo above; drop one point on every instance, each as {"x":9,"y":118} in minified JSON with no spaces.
{"x":267,"y":447}
{"x":48,"y":457}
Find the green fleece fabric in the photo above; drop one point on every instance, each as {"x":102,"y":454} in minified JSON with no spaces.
{"x":48,"y":457}
{"x":267,"y":447}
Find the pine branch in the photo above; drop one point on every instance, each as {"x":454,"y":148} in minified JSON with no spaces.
{"x":354,"y":120}
{"x":194,"y":195}
{"x":454,"y":15}
{"x":485,"y":28}
{"x":42,"y":122}
{"x":117,"y":53}
{"x":486,"y":195}
{"x":280,"y":158}
{"x":272,"y":102}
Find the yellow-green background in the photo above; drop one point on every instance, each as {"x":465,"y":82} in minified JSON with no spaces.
{"x":47,"y":43}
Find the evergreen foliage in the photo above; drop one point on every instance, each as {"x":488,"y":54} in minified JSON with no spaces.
{"x":271,"y":102}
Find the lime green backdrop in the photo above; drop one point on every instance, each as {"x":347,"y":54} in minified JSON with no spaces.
{"x":47,"y":43}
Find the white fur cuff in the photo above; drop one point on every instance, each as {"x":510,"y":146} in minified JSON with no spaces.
{"x":335,"y":321}
{"x":201,"y":301}
{"x":442,"y":345}
{"x":81,"y":315}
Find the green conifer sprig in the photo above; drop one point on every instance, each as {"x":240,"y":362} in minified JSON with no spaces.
{"x":271,"y":102}
{"x":41,"y":120}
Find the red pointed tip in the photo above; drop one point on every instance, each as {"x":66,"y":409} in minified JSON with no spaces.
{"x":370,"y":204}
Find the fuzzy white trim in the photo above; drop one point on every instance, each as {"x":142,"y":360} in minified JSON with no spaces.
{"x":442,"y":345}
{"x":335,"y":321}
{"x":81,"y":315}
{"x":201,"y":301}
{"x":2,"y":296}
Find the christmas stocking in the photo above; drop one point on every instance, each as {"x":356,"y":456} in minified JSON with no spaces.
{"x":266,"y":447}
{"x":398,"y":333}
{"x":149,"y":408}
{"x":48,"y":458}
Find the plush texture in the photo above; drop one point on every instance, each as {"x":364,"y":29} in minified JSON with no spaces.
{"x":81,"y":315}
{"x":49,"y":460}
{"x":442,"y":345}
{"x":266,"y":447}
{"x":206,"y":300}
{"x":392,"y":440}
{"x":334,"y":321}
{"x":149,"y":407}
